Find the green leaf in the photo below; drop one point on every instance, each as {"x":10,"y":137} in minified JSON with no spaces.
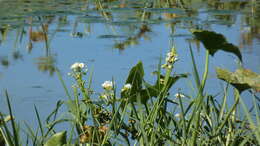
{"x":57,"y":139}
{"x":157,"y":88}
{"x":242,"y":79}
{"x":135,"y":78}
{"x":73,"y":107}
{"x":213,"y":42}
{"x":2,"y":141}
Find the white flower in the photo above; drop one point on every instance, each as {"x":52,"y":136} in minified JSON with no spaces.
{"x":126,"y":87}
{"x":177,"y":115}
{"x":167,"y":66}
{"x":161,"y":81}
{"x":179,"y":95}
{"x":169,"y":54}
{"x":164,"y":66}
{"x":81,"y":65}
{"x":77,"y":66}
{"x":170,"y":59}
{"x":107,"y":85}
{"x":74,"y":86}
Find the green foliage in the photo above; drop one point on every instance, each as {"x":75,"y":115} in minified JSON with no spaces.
{"x":213,"y":42}
{"x":155,"y":90}
{"x":135,"y":116}
{"x":153,"y":116}
{"x":147,"y":113}
{"x":149,"y":123}
{"x":135,"y":78}
{"x":242,"y":79}
{"x":2,"y":141}
{"x":58,"y":139}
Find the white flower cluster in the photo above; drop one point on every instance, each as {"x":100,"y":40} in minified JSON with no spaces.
{"x":126,"y":87}
{"x":77,"y":66}
{"x":170,"y":59}
{"x":107,"y":85}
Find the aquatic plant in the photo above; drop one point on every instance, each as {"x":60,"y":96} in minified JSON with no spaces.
{"x":146,"y":113}
{"x":141,"y":112}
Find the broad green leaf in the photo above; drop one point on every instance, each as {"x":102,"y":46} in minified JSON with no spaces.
{"x":242,"y":79}
{"x":57,"y":139}
{"x":213,"y":42}
{"x":135,"y":77}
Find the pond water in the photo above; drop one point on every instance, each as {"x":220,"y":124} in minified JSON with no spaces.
{"x":111,"y":36}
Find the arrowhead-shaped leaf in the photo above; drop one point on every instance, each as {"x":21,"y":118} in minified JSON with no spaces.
{"x":242,"y":79}
{"x":213,"y":42}
{"x":57,"y":139}
{"x":135,"y":78}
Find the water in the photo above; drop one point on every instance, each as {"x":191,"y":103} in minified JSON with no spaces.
{"x":110,"y":39}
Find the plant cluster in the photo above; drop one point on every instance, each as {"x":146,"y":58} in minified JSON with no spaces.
{"x":146,"y":113}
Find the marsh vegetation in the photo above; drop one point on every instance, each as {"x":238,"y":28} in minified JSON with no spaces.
{"x":179,"y":104}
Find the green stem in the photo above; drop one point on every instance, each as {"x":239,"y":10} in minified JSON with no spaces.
{"x":200,"y":100}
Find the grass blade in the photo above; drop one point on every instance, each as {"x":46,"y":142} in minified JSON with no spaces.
{"x":15,"y":132}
